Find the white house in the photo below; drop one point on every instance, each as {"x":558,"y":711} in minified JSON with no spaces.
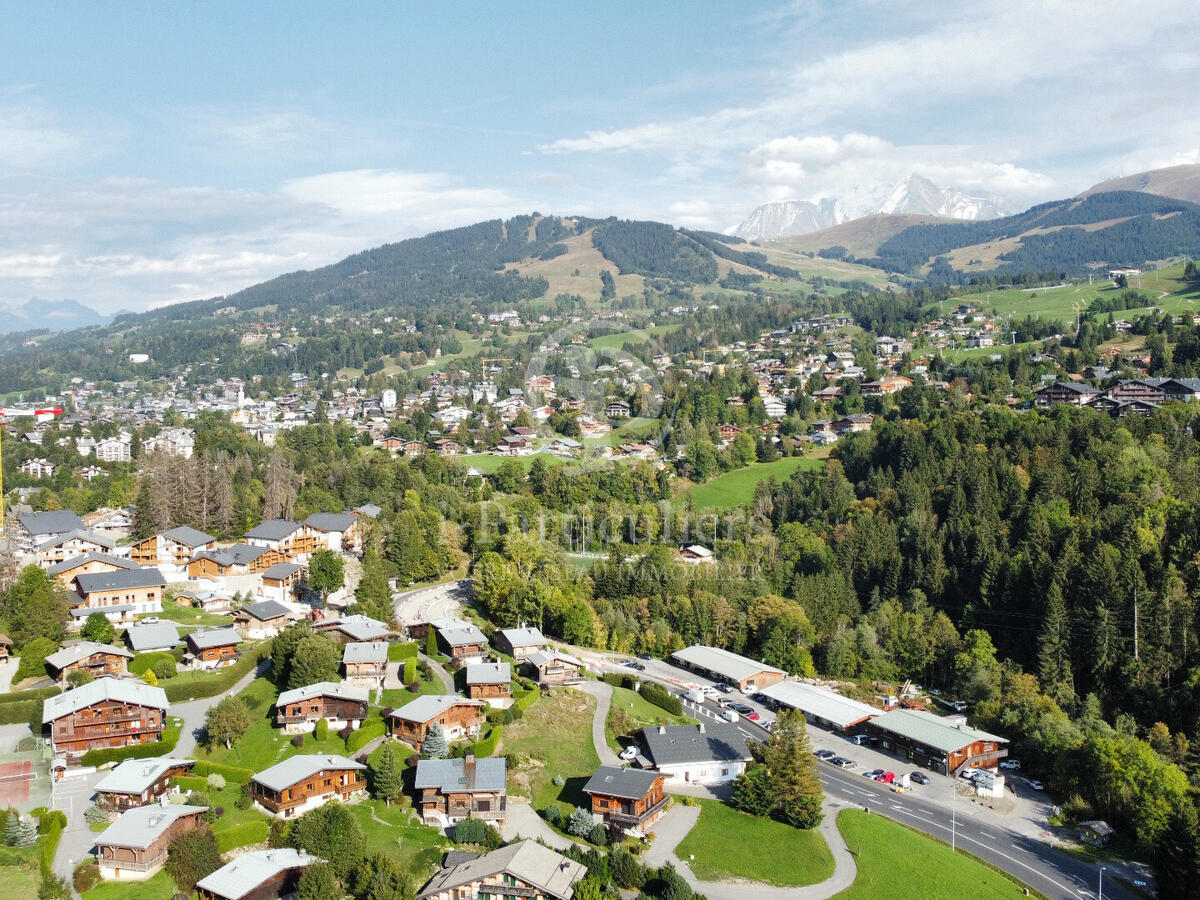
{"x":707,"y":753}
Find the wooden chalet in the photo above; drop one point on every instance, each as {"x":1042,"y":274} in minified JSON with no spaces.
{"x":292,"y":539}
{"x":281,"y":581}
{"x":174,"y":547}
{"x":365,"y":662}
{"x":490,"y":682}
{"x":87,"y":564}
{"x":519,"y":643}
{"x":524,"y":869}
{"x":301,"y":783}
{"x":139,"y":782}
{"x":449,"y":790}
{"x":257,"y":875}
{"x":458,"y":717}
{"x":339,"y":532}
{"x":134,"y":847}
{"x":60,"y":548}
{"x":120,"y":595}
{"x":459,"y":640}
{"x":261,"y":620}
{"x":108,"y":712}
{"x":341,"y":704}
{"x":96,"y":659}
{"x":213,"y":648}
{"x":629,"y":799}
{"x":240,"y":559}
{"x":552,"y":667}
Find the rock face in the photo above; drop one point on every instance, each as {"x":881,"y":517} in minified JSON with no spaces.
{"x":915,"y":195}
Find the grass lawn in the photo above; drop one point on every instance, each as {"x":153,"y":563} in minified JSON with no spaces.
{"x":736,"y":488}
{"x":782,"y":855}
{"x":553,"y":738}
{"x":417,"y":847}
{"x":263,"y":746}
{"x":23,"y":878}
{"x":160,"y":887}
{"x":630,"y":711}
{"x":897,"y":863}
{"x":189,"y":615}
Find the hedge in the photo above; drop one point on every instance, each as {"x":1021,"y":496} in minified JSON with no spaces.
{"x":204,"y":768}
{"x":179,"y":690}
{"x":144,"y":661}
{"x":34,"y":694}
{"x":240,"y":835}
{"x":661,"y":697}
{"x":170,"y":737}
{"x":487,"y":746}
{"x":526,"y":699}
{"x":20,"y":713}
{"x":191,"y":782}
{"x":404,"y":650}
{"x":370,"y":730}
{"x":618,"y":679}
{"x":51,"y":824}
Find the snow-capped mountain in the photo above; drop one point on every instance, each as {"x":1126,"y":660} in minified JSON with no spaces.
{"x":914,"y":195}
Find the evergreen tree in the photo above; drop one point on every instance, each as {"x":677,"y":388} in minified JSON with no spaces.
{"x":795,"y":779}
{"x":386,"y":775}
{"x":752,"y":792}
{"x":317,"y":882}
{"x":317,"y":658}
{"x":435,"y":745}
{"x":97,"y":628}
{"x":580,"y":822}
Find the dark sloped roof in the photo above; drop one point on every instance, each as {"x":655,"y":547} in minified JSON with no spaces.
{"x":55,"y":521}
{"x":273,"y":530}
{"x":67,"y":565}
{"x":630,"y":784}
{"x":188,"y":536}
{"x":331,"y":521}
{"x":710,"y":742}
{"x":264,"y":610}
{"x":120,"y":580}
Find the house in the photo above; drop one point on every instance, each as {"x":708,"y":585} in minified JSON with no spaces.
{"x":727,"y":432}
{"x":107,"y":712}
{"x":457,"y":716}
{"x":519,"y":643}
{"x":213,"y":602}
{"x":1096,"y":832}
{"x":292,"y":539}
{"x":448,"y":790}
{"x":134,"y":847}
{"x":460,"y":640}
{"x":628,"y":799}
{"x":365,"y":663}
{"x":120,"y":595}
{"x":1064,"y":392}
{"x":257,"y":875}
{"x":721,"y":665}
{"x":240,"y":559}
{"x":280,"y":582}
{"x":139,"y":782}
{"x":889,"y":384}
{"x":62,"y":547}
{"x":527,"y":867}
{"x":96,"y":659}
{"x":301,"y":783}
{"x":707,"y":753}
{"x":696,"y":554}
{"x":821,"y":706}
{"x":147,"y":637}
{"x":350,"y":629}
{"x":298,"y":711}
{"x":37,"y":468}
{"x":852,"y":423}
{"x":261,"y":620}
{"x":87,"y":564}
{"x":212,"y":648}
{"x":412,"y":448}
{"x":447,"y":447}
{"x":617,"y":409}
{"x":33,"y":528}
{"x":339,"y":532}
{"x":491,"y":682}
{"x":6,"y":646}
{"x":175,"y":547}
{"x":943,"y":745}
{"x":555,"y":668}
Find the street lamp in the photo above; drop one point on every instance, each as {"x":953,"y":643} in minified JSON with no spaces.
{"x":1100,"y":892}
{"x":953,"y":813}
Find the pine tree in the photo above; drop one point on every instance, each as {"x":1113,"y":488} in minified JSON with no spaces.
{"x":795,"y":779}
{"x":317,"y":882}
{"x":435,"y":745}
{"x":1054,"y":651}
{"x":386,"y":778}
{"x":19,"y":833}
{"x":280,"y":486}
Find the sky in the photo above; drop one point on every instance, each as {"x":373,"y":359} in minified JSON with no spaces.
{"x":152,"y":153}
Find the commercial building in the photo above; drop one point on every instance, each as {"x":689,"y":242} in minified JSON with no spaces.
{"x":720,"y":665}
{"x":943,"y":745}
{"x":821,"y":706}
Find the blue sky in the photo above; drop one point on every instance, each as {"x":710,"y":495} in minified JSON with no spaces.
{"x":155,"y":152}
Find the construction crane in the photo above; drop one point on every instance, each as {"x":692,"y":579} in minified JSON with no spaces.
{"x":40,"y":415}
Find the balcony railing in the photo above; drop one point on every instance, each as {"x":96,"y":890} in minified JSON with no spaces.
{"x":990,"y":756}
{"x":133,"y":865}
{"x":110,"y":718}
{"x":630,"y":820}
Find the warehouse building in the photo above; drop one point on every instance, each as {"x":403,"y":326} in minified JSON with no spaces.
{"x":821,"y":706}
{"x":943,"y":745}
{"x":721,"y":665}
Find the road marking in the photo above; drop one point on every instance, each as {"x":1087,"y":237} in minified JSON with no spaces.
{"x":988,"y":836}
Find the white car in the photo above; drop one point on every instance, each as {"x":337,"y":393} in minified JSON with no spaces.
{"x":968,"y":773}
{"x":628,"y":753}
{"x":1036,"y":785}
{"x":149,"y":620}
{"x":709,"y":691}
{"x":1010,"y":764}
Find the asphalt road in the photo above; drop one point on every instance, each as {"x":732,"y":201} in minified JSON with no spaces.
{"x":432,"y":602}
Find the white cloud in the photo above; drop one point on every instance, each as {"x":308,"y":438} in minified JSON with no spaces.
{"x":417,"y":196}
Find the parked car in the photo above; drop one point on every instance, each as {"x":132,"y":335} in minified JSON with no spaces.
{"x":935,"y":692}
{"x":729,"y":715}
{"x":628,"y":753}
{"x":859,"y":739}
{"x":842,"y":763}
{"x":1010,"y":764}
{"x":645,"y":656}
{"x":709,"y":691}
{"x":919,"y":777}
{"x":629,"y":663}
{"x":824,"y":754}
{"x":968,"y":773}
{"x":724,"y":688}
{"x":873,"y":774}
{"x":753,"y":716}
{"x":886,"y":777}
{"x":1036,"y":785}
{"x":149,"y":620}
{"x":742,"y":708}
{"x":960,"y":705}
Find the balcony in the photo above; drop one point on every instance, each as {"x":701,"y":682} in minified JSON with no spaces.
{"x":133,"y":865}
{"x":628,"y":820}
{"x":992,"y":756}
{"x":111,"y":718}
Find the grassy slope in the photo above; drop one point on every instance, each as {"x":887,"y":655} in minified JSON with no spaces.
{"x":554,"y":738}
{"x":736,"y":488}
{"x":781,"y":855}
{"x":630,"y":712}
{"x":160,"y":887}
{"x":896,"y":863}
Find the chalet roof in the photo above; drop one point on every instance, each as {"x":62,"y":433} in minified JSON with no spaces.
{"x":541,"y":657}
{"x":706,"y":742}
{"x":123,"y":579}
{"x":188,"y":536}
{"x":932,"y":731}
{"x":722,"y":662}
{"x":365,"y":652}
{"x":369,"y":509}
{"x":552,"y":873}
{"x":281,"y":570}
{"x":265,"y":610}
{"x":78,"y":534}
{"x":629,"y":784}
{"x":60,"y":659}
{"x":359,"y":627}
{"x":236,"y":555}
{"x":523,"y":637}
{"x":489,"y":673}
{"x":338,"y":690}
{"x":55,"y":521}
{"x":273,"y":530}
{"x":295,"y":769}
{"x":133,"y":776}
{"x":1070,"y":386}
{"x":456,"y":632}
{"x":428,"y":706}
{"x":69,"y":564}
{"x":141,"y":826}
{"x":323,"y":521}
{"x":214,"y":637}
{"x":118,"y":689}
{"x":453,"y":775}
{"x":250,"y":871}
{"x":152,"y":636}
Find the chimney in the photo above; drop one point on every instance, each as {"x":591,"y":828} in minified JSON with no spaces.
{"x":700,"y":727}
{"x":662,"y":729}
{"x":469,"y":768}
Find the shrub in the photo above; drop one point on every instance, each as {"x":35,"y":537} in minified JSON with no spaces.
{"x":512,"y":714}
{"x":346,"y":732}
{"x":494,"y":716}
{"x":216,"y":781}
{"x":78,"y":678}
{"x":470,"y":831}
{"x":412,"y":760}
{"x":321,"y":732}
{"x":298,"y":740}
{"x":552,"y":814}
{"x":370,"y":730}
{"x":559,"y":781}
{"x":279,"y":833}
{"x":94,"y":815}
{"x":414,"y":687}
{"x":580,"y":822}
{"x":598,"y":835}
{"x":619,"y":679}
{"x":164,"y":668}
{"x":243,"y":801}
{"x":33,"y":658}
{"x":661,"y":697}
{"x":87,"y":876}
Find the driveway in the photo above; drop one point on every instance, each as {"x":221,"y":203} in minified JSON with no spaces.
{"x":523,"y":821}
{"x":433,"y":602}
{"x":192,"y":712}
{"x":73,"y":795}
{"x":602,"y":691}
{"x":8,"y":668}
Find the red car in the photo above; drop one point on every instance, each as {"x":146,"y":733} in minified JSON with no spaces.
{"x":886,"y":777}
{"x":753,"y":717}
